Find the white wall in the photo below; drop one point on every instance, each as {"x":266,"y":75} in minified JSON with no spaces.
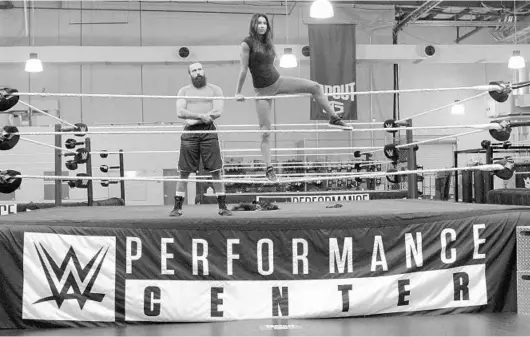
{"x":155,"y":28}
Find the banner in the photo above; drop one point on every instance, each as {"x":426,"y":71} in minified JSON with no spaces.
{"x":333,"y":66}
{"x":314,"y":198}
{"x":90,"y":276}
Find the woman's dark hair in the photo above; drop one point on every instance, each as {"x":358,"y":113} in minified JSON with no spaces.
{"x":262,"y":43}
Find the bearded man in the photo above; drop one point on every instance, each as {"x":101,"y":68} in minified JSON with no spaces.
{"x":199,"y":115}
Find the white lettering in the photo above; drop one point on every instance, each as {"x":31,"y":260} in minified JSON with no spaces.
{"x":413,"y":250}
{"x":335,"y":258}
{"x":378,"y":247}
{"x":128,"y":255}
{"x":164,"y":256}
{"x":230,"y":257}
{"x":300,"y":257}
{"x":196,"y":258}
{"x":269,"y":255}
{"x":443,"y":239}
{"x":478,"y":241}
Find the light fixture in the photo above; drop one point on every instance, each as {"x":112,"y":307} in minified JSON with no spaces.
{"x":321,"y":9}
{"x":457,"y":108}
{"x":130,"y":174}
{"x":33,"y":65}
{"x":516,"y":61}
{"x":288,"y":60}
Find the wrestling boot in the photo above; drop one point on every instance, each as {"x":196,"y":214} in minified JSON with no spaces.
{"x":223,"y":210}
{"x":177,"y":209}
{"x":337,"y":122}
{"x":270,"y":174}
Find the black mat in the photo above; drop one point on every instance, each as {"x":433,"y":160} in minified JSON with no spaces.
{"x":290,"y":215}
{"x":281,"y":196}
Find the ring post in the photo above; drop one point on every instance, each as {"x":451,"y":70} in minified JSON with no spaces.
{"x":488,"y":178}
{"x":122,"y":174}
{"x":58,"y":166}
{"x":455,"y":160}
{"x":90,"y":188}
{"x":411,"y":165}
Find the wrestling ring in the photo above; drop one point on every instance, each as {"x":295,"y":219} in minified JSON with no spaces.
{"x":284,"y":257}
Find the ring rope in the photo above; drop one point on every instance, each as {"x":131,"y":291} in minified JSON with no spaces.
{"x":225,"y":156}
{"x":236,"y":167}
{"x":304,"y":149}
{"x":312,"y":164}
{"x":487,"y":126}
{"x":261,"y":166}
{"x":373,"y":149}
{"x":308,"y":174}
{"x":443,"y":107}
{"x":438,"y":138}
{"x":302,"y":167}
{"x":288,"y":155}
{"x":430,"y":140}
{"x":279,"y":149}
{"x":45,"y":113}
{"x":489,"y":167}
{"x":220,"y":125}
{"x":146,"y":132}
{"x":45,"y":144}
{"x":177,"y":151}
{"x":173,"y":97}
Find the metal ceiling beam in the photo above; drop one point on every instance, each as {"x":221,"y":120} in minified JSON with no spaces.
{"x":477,"y":29}
{"x":468,"y":34}
{"x":424,"y":8}
{"x":430,"y":16}
{"x":452,"y":23}
{"x":523,"y":27}
{"x":203,"y":7}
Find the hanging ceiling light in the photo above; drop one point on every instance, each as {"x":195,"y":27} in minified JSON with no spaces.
{"x":321,"y":9}
{"x":516,"y":61}
{"x":288,"y":60}
{"x":458,"y":108}
{"x":33,"y":65}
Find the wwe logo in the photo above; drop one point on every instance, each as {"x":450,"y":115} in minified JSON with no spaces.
{"x":389,"y":125}
{"x":70,"y":281}
{"x":389,"y":153}
{"x":526,"y":182}
{"x":84,"y":156}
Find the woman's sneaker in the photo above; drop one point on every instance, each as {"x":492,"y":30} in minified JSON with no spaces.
{"x":337,"y":122}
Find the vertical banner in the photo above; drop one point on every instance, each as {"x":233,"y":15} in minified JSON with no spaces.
{"x":333,"y":61}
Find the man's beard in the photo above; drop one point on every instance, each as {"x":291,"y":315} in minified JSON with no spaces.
{"x":199,"y":81}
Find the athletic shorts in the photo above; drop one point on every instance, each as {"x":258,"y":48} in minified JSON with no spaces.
{"x":286,"y":85}
{"x":195,"y":149}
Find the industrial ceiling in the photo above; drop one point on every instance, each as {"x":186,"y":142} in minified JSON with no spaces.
{"x":499,"y":17}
